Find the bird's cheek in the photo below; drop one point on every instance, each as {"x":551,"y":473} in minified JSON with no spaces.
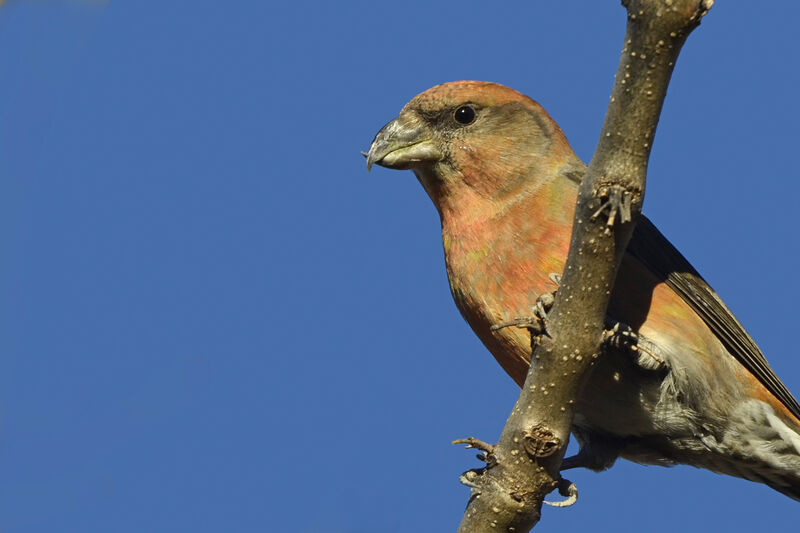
{"x":465,"y":157}
{"x":465,"y":153}
{"x":481,"y":166}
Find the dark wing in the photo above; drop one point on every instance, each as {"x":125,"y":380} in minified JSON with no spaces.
{"x":650,"y":247}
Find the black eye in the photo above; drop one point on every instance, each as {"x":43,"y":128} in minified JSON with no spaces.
{"x":464,"y":115}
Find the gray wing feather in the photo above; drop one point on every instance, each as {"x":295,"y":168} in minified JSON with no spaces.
{"x":650,"y":247}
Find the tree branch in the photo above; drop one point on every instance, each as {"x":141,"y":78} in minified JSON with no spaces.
{"x":507,"y":495}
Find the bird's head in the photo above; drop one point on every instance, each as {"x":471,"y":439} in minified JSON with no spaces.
{"x":473,"y":138}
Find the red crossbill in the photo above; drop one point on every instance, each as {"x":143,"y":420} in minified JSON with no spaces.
{"x":686,"y":385}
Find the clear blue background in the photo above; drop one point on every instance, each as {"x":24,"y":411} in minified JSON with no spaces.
{"x":213,"y":319}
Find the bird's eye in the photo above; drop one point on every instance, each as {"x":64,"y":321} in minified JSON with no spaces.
{"x":464,"y":115}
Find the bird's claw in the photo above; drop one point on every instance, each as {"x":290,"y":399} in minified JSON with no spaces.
{"x":537,"y":322}
{"x":469,"y":478}
{"x":569,"y":490}
{"x":543,"y":305}
{"x":617,"y":201}
{"x":487,"y":450}
{"x":621,"y":336}
{"x":478,"y":444}
{"x":531,"y":323}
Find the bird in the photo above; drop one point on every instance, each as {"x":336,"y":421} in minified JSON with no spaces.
{"x":680,"y":380}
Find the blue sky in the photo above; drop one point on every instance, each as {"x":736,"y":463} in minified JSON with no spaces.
{"x":213,"y":319}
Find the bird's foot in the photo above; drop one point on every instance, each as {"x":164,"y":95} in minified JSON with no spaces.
{"x":487,"y":450}
{"x":478,"y":444}
{"x":616,"y":201}
{"x":536,"y":323}
{"x":544,"y":303}
{"x":622,"y":337}
{"x":569,"y":490}
{"x":532,"y":323}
